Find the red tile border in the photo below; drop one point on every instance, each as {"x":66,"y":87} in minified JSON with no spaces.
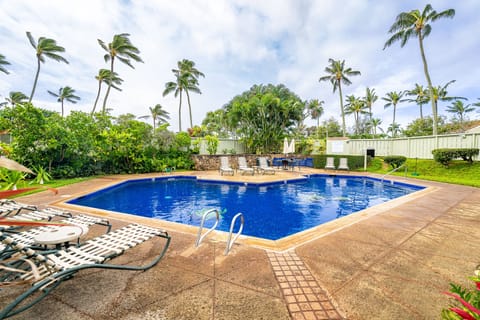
{"x":303,"y":295}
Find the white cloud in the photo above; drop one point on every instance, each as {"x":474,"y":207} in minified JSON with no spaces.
{"x":237,"y":44}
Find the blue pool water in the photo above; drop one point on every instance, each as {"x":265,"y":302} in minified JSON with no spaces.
{"x":272,"y":211}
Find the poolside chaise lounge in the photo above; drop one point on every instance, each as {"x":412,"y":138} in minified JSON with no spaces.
{"x":243,"y":167}
{"x":343,"y":165}
{"x":330,"y":163}
{"x":27,"y":237}
{"x":8,"y":207}
{"x":45,"y":272}
{"x":264,"y":167}
{"x":225,"y":166}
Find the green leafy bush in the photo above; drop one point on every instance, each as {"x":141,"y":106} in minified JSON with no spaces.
{"x":444,"y":156}
{"x":354,"y":162}
{"x":395,"y":161}
{"x":212,"y":144}
{"x":467,"y":301}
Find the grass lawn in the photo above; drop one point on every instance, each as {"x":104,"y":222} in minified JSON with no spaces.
{"x":458,"y":172}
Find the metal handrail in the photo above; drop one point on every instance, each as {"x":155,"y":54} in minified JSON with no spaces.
{"x":230,"y":241}
{"x":386,"y":174}
{"x":200,"y":237}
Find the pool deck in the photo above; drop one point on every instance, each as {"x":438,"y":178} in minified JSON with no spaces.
{"x":391,"y":262}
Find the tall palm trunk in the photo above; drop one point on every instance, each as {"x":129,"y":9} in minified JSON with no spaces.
{"x":180,"y":113}
{"x":342,"y":109}
{"x":109,"y":86}
{"x":98,"y":96}
{"x":394,"y":113}
{"x":36,"y":79}
{"x":429,"y":82}
{"x":62,"y":107}
{"x":189,"y":108}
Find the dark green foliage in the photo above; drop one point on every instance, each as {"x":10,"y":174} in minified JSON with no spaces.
{"x":263,"y":116}
{"x":81,"y":145}
{"x":354,"y":162}
{"x":444,"y":156}
{"x":395,"y":161}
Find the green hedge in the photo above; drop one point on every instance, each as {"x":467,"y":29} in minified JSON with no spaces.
{"x":395,"y":161}
{"x":354,"y":162}
{"x":444,"y":156}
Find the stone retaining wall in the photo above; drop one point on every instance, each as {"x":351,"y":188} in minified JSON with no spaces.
{"x":212,"y":162}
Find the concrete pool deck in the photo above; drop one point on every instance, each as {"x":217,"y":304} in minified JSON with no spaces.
{"x":392,"y":264}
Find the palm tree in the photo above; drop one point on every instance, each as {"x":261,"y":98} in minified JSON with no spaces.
{"x":337,"y":74}
{"x":44,"y":47}
{"x":65,"y":93}
{"x":394,"y":128}
{"x":158,"y":114}
{"x":417,"y":24}
{"x":186,"y":80}
{"x":187,"y":67}
{"x":460,"y":109}
{"x":375,"y":123}
{"x":3,"y":62}
{"x":315,"y":108}
{"x":439,"y":93}
{"x":14,"y":98}
{"x":421,"y":97}
{"x":122,"y":49}
{"x":108,"y":77}
{"x":393,"y":98}
{"x":355,"y":106}
{"x":370,"y":98}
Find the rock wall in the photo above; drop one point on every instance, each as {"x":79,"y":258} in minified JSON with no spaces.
{"x":212,"y":162}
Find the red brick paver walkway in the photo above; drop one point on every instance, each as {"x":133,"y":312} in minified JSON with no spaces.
{"x":305,"y":298}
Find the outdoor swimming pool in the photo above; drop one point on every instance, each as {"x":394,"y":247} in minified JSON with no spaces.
{"x":271,"y":210}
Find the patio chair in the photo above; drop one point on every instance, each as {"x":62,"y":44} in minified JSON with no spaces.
{"x":8,"y":207}
{"x":45,"y":272}
{"x":330,"y":163}
{"x":27,"y":237}
{"x":243,"y":167}
{"x":264,"y":167}
{"x":343,"y":165}
{"x":225,"y":166}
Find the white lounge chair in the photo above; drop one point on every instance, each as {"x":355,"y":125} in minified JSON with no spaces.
{"x":11,"y":207}
{"x":225,"y":166}
{"x":343,"y":165}
{"x":27,"y":238}
{"x":330,"y":163}
{"x":264,"y":167}
{"x":45,"y":272}
{"x":243,"y":167}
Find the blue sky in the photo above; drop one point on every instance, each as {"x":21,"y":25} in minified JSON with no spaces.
{"x":237,"y":44}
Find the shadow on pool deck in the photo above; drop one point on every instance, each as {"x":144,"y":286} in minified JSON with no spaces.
{"x":392,"y":265}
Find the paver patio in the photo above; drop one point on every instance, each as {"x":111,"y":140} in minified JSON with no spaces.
{"x":391,"y":265}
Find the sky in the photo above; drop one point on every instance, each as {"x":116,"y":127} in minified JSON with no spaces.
{"x":237,"y":44}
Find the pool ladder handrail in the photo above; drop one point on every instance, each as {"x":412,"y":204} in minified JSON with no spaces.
{"x":200,"y":237}
{"x":231,"y":240}
{"x":386,"y":174}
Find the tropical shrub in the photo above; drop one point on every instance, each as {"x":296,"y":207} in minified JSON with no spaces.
{"x":467,"y":304}
{"x":212,"y":144}
{"x":11,"y":178}
{"x":444,"y":156}
{"x":354,"y":162}
{"x":395,"y":161}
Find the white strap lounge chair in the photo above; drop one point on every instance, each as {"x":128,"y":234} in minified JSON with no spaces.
{"x":225,"y":166}
{"x":330,"y":163}
{"x":27,"y":238}
{"x":11,"y":207}
{"x":243,"y":167}
{"x":343,"y":165}
{"x":264,"y":167}
{"x":45,"y":272}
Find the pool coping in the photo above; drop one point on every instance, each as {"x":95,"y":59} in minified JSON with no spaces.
{"x":280,"y":245}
